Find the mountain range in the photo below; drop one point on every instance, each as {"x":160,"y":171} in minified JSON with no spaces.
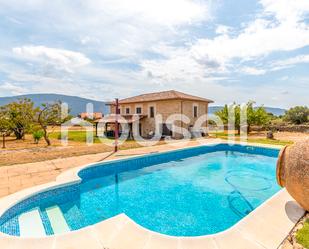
{"x":78,"y":104}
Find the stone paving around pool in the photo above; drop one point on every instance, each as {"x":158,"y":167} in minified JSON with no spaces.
{"x":264,"y":228}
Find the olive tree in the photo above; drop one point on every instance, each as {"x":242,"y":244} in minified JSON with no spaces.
{"x":255,"y":115}
{"x":4,"y":127}
{"x":297,"y":115}
{"x":49,"y":114}
{"x":225,"y":115}
{"x":19,"y":116}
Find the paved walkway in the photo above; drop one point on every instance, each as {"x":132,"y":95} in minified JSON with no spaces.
{"x":20,"y":176}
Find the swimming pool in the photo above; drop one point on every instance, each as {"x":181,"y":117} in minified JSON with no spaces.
{"x":189,"y":192}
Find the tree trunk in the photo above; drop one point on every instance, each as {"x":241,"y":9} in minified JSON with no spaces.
{"x":3,"y":141}
{"x":45,"y":133}
{"x":46,"y":137}
{"x":19,"y":133}
{"x":44,"y":128}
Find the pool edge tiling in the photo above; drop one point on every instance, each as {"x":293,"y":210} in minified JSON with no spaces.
{"x":221,"y":181}
{"x":265,"y":227}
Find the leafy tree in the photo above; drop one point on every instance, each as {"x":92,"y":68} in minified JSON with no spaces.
{"x":4,"y":127}
{"x":223,"y":114}
{"x":255,"y":116}
{"x":297,"y":115}
{"x":49,"y":115}
{"x":20,"y":116}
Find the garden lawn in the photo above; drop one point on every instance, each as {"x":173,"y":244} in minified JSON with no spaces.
{"x":223,"y":135}
{"x":80,"y":136}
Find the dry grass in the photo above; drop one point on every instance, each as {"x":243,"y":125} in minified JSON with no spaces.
{"x":25,"y":151}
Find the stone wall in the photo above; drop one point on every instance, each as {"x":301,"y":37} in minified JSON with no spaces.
{"x":287,"y":128}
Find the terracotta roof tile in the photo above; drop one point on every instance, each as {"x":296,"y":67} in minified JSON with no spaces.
{"x":166,"y":95}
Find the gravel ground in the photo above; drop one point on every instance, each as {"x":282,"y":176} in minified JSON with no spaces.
{"x":290,"y":242}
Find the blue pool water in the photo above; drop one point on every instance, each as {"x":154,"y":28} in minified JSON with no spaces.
{"x":189,"y":192}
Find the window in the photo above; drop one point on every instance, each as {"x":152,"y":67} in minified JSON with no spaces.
{"x":138,"y":110}
{"x":151,"y":111}
{"x":195,"y":111}
{"x":127,"y":110}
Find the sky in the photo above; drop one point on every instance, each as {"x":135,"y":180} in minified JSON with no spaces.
{"x":224,"y":50}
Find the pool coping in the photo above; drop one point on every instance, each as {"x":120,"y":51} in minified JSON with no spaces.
{"x":265,"y":227}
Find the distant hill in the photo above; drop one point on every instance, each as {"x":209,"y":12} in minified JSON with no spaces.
{"x":273,"y":110}
{"x":76,"y":104}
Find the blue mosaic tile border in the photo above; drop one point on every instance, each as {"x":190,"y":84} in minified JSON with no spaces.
{"x":46,"y":223}
{"x":119,"y":166}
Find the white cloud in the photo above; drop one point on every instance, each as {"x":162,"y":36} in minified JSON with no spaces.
{"x":129,"y":28}
{"x":117,"y":28}
{"x":276,"y":65}
{"x":290,"y":62}
{"x":256,"y":40}
{"x":11,"y":89}
{"x":141,"y":45}
{"x":89,"y":40}
{"x":171,"y":12}
{"x":61,"y":59}
{"x":179,"y":66}
{"x":260,"y":38}
{"x":222,"y":29}
{"x":286,"y":10}
{"x":253,"y":71}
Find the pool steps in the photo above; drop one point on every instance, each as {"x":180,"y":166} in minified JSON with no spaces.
{"x":57,"y":220}
{"x":31,"y":225}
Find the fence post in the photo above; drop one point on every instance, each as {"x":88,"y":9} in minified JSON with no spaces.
{"x":116,"y":127}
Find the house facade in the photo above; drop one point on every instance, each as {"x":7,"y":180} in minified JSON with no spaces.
{"x":167,"y":103}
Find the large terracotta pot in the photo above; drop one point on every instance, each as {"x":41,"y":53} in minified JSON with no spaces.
{"x":293,"y":171}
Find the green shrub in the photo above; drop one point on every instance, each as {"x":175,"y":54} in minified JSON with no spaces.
{"x":37,"y":135}
{"x":302,"y":235}
{"x":297,"y":115}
